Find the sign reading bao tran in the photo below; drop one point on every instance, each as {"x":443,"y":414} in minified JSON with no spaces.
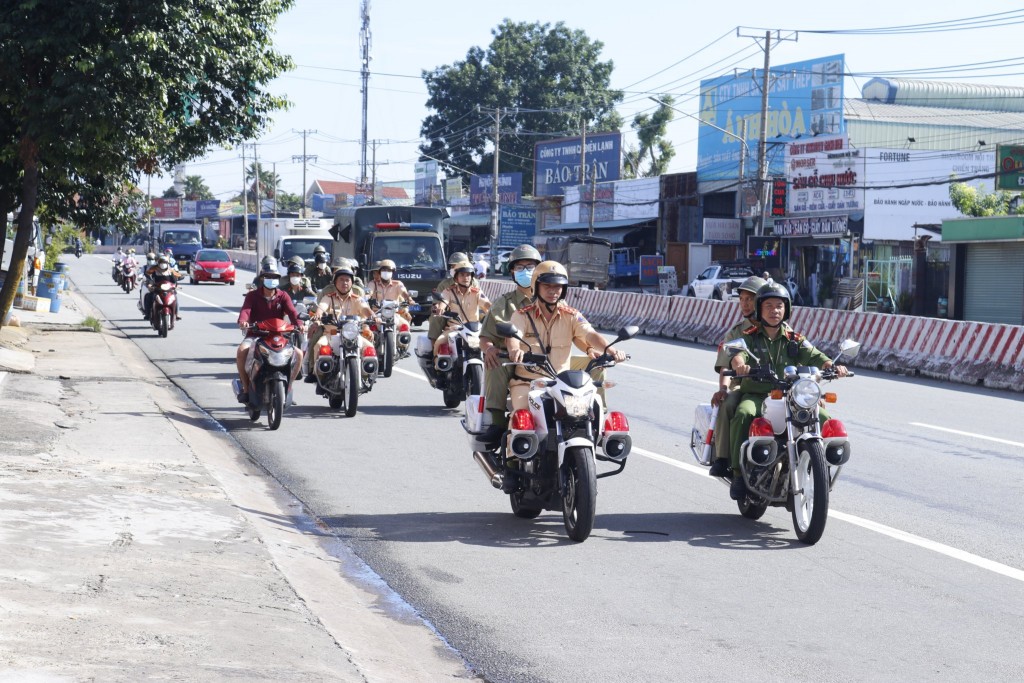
{"x":556,"y":163}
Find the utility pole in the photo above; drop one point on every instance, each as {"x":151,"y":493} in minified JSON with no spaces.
{"x":274,"y":171}
{"x":304,"y":158}
{"x":245,"y":205}
{"x":497,"y":113}
{"x":364,"y":45}
{"x":762,"y":140}
{"x":583,"y":167}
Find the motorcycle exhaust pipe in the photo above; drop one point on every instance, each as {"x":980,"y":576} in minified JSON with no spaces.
{"x":487,"y":465}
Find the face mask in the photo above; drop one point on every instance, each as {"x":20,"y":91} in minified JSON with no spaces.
{"x":271,"y":284}
{"x":524,"y":277}
{"x":163,"y":266}
{"x":295,"y":280}
{"x":385,"y":275}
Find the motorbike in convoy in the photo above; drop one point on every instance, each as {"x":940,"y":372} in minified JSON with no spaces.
{"x":547,"y":458}
{"x":458,"y":370}
{"x":788,"y":460}
{"x":270,"y":370}
{"x":165,"y":294}
{"x":391,"y":334}
{"x":129,"y":275}
{"x":342,"y":373}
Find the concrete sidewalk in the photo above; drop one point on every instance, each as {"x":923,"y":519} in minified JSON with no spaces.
{"x":138,"y":542}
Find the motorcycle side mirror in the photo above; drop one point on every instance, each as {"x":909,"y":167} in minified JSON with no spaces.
{"x":303,"y":315}
{"x":738,"y":346}
{"x":507,"y":330}
{"x":308,"y":301}
{"x":435,"y":297}
{"x":848,"y":348}
{"x":414,"y":293}
{"x":249,"y":287}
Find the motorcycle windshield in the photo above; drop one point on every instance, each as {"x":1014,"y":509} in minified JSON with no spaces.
{"x":576,"y":379}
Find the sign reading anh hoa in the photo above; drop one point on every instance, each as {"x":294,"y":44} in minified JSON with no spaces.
{"x":811,"y":225}
{"x":904,"y":187}
{"x":556,"y":163}
{"x":722,"y":231}
{"x":824,"y":174}
{"x":804,"y":98}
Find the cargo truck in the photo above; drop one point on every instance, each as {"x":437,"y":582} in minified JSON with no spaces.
{"x":411,"y":236}
{"x":283,"y":238}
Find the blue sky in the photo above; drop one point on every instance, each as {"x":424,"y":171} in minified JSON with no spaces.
{"x":655,"y":46}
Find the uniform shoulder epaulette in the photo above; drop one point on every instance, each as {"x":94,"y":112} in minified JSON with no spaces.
{"x":569,"y":309}
{"x":751,"y":330}
{"x":474,"y":290}
{"x":527,"y":308}
{"x":793,"y":335}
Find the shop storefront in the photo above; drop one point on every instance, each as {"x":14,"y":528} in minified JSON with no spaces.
{"x":987,"y":265}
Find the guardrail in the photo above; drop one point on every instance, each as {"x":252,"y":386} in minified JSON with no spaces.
{"x":954,"y":350}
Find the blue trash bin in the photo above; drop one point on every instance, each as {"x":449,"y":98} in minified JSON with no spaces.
{"x":49,"y":284}
{"x":55,"y":302}
{"x":61,"y":269}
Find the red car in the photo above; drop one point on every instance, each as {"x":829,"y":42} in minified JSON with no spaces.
{"x":212,"y":265}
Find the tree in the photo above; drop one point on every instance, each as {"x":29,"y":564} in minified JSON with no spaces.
{"x":550,"y":79}
{"x":195,"y":188}
{"x":651,"y":131}
{"x":972,"y":201}
{"x":97,"y":92}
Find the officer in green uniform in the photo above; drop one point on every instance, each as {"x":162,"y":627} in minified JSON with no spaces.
{"x":522,"y":261}
{"x":775,"y":343}
{"x":318,"y":273}
{"x":726,"y":401}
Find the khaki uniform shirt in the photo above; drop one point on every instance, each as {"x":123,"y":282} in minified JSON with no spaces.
{"x":722,"y":361}
{"x":393,"y":291}
{"x":329,"y":289}
{"x":338,"y":305}
{"x":556,"y":335}
{"x":467,"y":305}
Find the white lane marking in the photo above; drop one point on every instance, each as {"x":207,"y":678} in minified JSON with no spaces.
{"x":934,"y":546}
{"x":417,"y":375}
{"x":970,"y":434}
{"x":210,"y":304}
{"x":670,"y":374}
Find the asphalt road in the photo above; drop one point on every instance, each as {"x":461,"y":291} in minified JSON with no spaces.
{"x":919,"y":576}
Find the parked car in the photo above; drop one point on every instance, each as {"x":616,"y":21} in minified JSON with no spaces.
{"x":212,"y":265}
{"x":719,"y":281}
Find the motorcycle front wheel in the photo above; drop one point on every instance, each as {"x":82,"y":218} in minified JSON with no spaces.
{"x":810,"y":498}
{"x":351,"y":386}
{"x":164,"y":323}
{"x":474,"y":381}
{"x":276,"y":407}
{"x":579,"y":493}
{"x":388,"y":358}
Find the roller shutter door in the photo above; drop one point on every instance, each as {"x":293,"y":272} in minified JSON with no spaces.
{"x":994,"y":280}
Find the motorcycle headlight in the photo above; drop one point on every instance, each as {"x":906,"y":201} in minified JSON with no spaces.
{"x":577,"y":405}
{"x":806,"y":393}
{"x":387,"y":313}
{"x":281,"y":358}
{"x":472,"y":342}
{"x":350,"y":330}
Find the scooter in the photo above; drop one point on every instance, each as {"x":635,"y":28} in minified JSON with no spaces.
{"x":547,"y":458}
{"x":270,"y":370}
{"x":162,"y":316}
{"x":458,"y":369}
{"x":129,"y":275}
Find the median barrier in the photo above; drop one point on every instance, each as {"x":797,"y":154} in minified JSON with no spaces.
{"x":954,"y":350}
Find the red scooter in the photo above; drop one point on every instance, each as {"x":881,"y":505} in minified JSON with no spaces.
{"x":165,"y":300}
{"x":270,"y":370}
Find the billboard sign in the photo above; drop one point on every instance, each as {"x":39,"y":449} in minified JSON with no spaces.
{"x":167,"y":208}
{"x":905,"y":186}
{"x":822,"y":226}
{"x":1009,"y":167}
{"x":649,"y":266}
{"x":824,"y":174}
{"x":767,"y":250}
{"x":722,"y":231}
{"x":556,"y":163}
{"x":804,"y":98}
{"x":517,"y":225}
{"x":481,"y":191}
{"x":426,"y":180}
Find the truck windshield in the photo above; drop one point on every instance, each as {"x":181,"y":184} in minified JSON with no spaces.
{"x":180,"y":237}
{"x":409,"y":252}
{"x":303,"y":246}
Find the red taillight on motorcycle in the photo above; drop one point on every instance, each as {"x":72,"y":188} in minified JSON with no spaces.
{"x":404,"y":327}
{"x":373,"y":327}
{"x":522,"y":420}
{"x":444,"y":349}
{"x":480,"y":405}
{"x":616,"y":422}
{"x":369,"y":352}
{"x":832,"y":429}
{"x":761,"y":427}
{"x":325,"y":350}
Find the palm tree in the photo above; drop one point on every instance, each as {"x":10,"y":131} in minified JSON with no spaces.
{"x":269,"y":181}
{"x":195,"y":188}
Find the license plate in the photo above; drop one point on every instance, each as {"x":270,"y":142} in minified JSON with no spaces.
{"x":215,"y":276}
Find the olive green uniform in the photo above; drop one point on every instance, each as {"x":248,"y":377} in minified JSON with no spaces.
{"x":319,"y":279}
{"x":727,"y":408}
{"x":496,"y":380}
{"x":788,"y":348}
